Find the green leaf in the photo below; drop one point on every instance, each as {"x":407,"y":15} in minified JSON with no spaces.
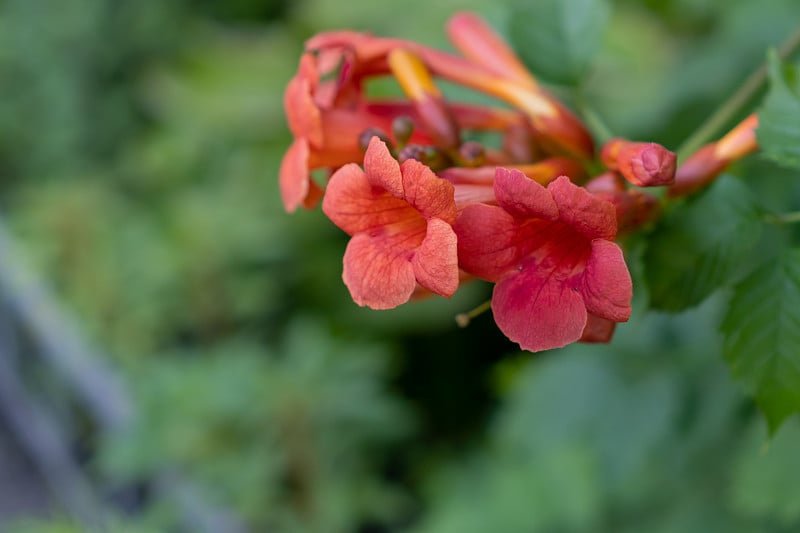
{"x":700,"y":246}
{"x":557,"y":39}
{"x":762,"y":336}
{"x":778,"y":130}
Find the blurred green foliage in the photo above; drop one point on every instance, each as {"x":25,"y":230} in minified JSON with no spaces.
{"x":289,"y":440}
{"x":139,"y":148}
{"x":68,"y":526}
{"x":558,"y":39}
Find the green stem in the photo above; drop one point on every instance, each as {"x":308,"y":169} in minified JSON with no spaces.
{"x":598,"y":128}
{"x":596,"y":124}
{"x":786,"y":218}
{"x":463,"y":319}
{"x":723,"y":115}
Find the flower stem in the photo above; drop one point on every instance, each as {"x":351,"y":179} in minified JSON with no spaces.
{"x":724,"y":114}
{"x":597,"y":126}
{"x":786,"y":218}
{"x":593,"y":120}
{"x":463,"y":319}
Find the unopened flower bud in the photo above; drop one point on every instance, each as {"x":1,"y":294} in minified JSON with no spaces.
{"x":697,"y":171}
{"x":610,"y":151}
{"x":366,"y":136}
{"x":740,"y":141}
{"x":643,"y":164}
{"x":411,"y":151}
{"x":703,"y":166}
{"x":435,"y":158}
{"x":472,"y":154}
{"x":431,"y":156}
{"x":402,"y":129}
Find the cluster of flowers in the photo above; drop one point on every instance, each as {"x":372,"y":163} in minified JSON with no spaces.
{"x":428,"y":210}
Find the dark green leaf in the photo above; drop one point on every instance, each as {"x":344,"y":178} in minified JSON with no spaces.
{"x":700,"y":246}
{"x":557,"y":39}
{"x":762,"y":336}
{"x":779,"y":119}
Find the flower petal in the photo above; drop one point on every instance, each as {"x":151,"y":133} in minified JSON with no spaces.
{"x":382,"y":169}
{"x":473,"y":194}
{"x":523,"y":197}
{"x":598,"y":329}
{"x":342,"y":129}
{"x":355,"y":206}
{"x":538,"y":311}
{"x":302,"y":112}
{"x":378,"y":273}
{"x":431,"y":195}
{"x":294,"y":181}
{"x":480,"y":44}
{"x":436,"y":261}
{"x":486,"y":241}
{"x":592,"y":216}
{"x":607,"y":289}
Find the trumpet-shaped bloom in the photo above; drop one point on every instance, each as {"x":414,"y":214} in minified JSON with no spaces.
{"x":555,"y":126}
{"x":399,"y":217}
{"x":326,"y":136}
{"x":551,"y":255}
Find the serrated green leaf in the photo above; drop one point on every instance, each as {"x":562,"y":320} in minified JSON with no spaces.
{"x":762,"y":336}
{"x":557,"y":39}
{"x":700,"y":246}
{"x":778,"y":129}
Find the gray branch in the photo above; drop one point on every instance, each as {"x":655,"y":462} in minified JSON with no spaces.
{"x":94,"y":382}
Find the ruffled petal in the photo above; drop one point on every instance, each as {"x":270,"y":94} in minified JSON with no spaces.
{"x":607,"y":288}
{"x":582,"y":210}
{"x":366,"y":47}
{"x":293,"y":178}
{"x":335,"y":87}
{"x":382,"y":169}
{"x":538,"y":311}
{"x":377,"y":272}
{"x":486,"y":241}
{"x":436,"y":261}
{"x":523,"y":197}
{"x":355,"y":206}
{"x":429,"y":194}
{"x":302,"y":113}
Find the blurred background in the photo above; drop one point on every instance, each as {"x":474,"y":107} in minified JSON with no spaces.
{"x":179,"y":354}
